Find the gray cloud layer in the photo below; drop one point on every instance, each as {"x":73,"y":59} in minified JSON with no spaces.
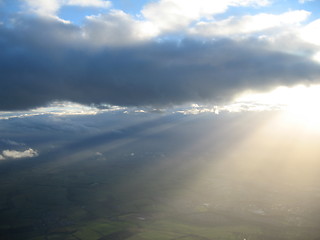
{"x":43,"y":61}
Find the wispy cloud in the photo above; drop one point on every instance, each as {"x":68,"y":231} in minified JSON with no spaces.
{"x":304,"y":1}
{"x":11,"y":142}
{"x":50,"y":8}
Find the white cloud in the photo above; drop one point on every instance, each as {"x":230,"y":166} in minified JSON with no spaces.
{"x":116,"y":28}
{"x":168,"y":15}
{"x":310,"y":32}
{"x":246,"y":104}
{"x":51,"y":7}
{"x":43,"y":7}
{"x":20,"y":154}
{"x":58,"y":109}
{"x":2,"y":157}
{"x":250,"y":23}
{"x":316,"y":57}
{"x":88,"y":3}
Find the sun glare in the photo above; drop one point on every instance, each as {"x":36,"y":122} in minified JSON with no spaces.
{"x":300,"y":104}
{"x":303,"y":107}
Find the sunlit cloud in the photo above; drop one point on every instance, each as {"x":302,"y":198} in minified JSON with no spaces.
{"x":168,"y":15}
{"x":316,"y":57}
{"x":29,"y":153}
{"x":299,"y":104}
{"x":61,"y":109}
{"x":117,"y":28}
{"x":285,"y":96}
{"x":250,"y":23}
{"x":300,"y":99}
{"x":309,"y":32}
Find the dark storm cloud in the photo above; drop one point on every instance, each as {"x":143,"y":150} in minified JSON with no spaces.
{"x":45,"y":60}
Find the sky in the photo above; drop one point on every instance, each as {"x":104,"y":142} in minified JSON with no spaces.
{"x":206,"y":102}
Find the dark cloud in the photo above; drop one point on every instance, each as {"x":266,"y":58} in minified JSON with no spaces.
{"x":47,"y":60}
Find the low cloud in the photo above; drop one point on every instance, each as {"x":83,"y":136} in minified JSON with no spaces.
{"x":29,"y":153}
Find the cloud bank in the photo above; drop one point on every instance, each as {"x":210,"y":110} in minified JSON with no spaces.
{"x":119,"y":59}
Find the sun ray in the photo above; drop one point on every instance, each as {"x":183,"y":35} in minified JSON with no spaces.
{"x":300,"y":105}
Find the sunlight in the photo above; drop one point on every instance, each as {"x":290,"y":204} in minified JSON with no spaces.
{"x":304,"y":108}
{"x":299,"y":104}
